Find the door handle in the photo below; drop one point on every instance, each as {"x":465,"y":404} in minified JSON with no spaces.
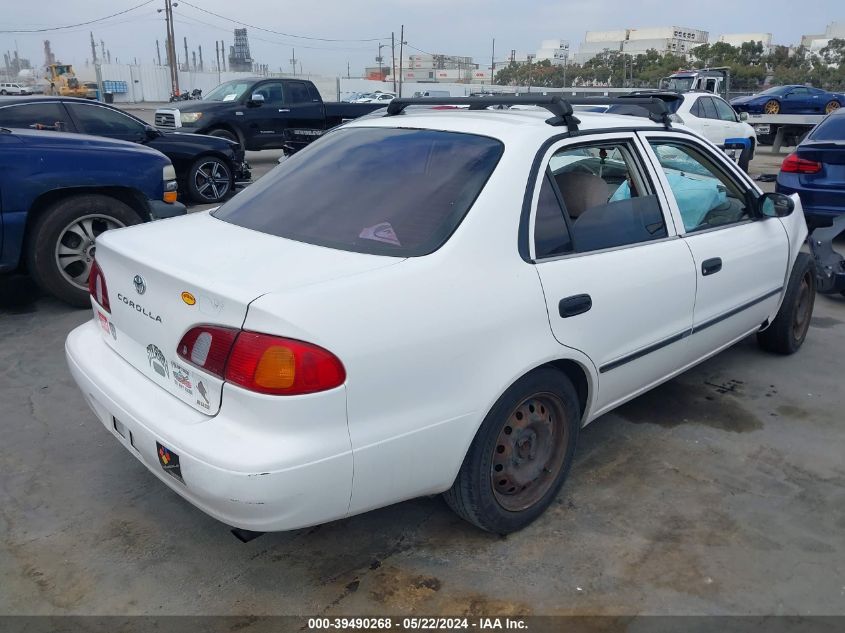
{"x":574,"y":305}
{"x":284,"y":109}
{"x":711,"y":266}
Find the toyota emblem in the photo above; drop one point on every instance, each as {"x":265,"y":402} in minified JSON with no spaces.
{"x":140,"y":285}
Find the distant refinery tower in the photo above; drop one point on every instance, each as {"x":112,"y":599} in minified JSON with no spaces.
{"x":49,"y":57}
{"x":239,"y":58}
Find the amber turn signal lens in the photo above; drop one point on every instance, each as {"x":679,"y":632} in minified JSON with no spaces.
{"x":276,"y":369}
{"x":170,"y":196}
{"x":188,"y":298}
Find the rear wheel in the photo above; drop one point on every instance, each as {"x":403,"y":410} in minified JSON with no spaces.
{"x":61,"y":246}
{"x":831,"y":106}
{"x":787,"y":332}
{"x":209,"y":180}
{"x":520,"y":456}
{"x":771,"y":107}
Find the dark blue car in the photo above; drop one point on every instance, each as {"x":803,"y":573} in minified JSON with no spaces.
{"x":790,"y":100}
{"x":816,"y":171}
{"x":59,"y":191}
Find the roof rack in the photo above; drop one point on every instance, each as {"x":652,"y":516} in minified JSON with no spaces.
{"x":654,"y":107}
{"x":561,"y":108}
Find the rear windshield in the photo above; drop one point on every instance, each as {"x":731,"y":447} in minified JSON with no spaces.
{"x":830,"y":129}
{"x":382,"y":191}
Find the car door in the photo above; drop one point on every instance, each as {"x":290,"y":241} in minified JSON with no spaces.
{"x":99,"y":120}
{"x":740,"y":260}
{"x":36,"y":115}
{"x":619,"y":284}
{"x":729,"y":124}
{"x":306,"y":121}
{"x":265,"y":122}
{"x":798,"y":100}
{"x":711,"y":126}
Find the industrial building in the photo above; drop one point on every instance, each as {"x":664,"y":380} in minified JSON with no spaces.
{"x":664,"y":39}
{"x":431,"y":68}
{"x":817,"y":42}
{"x":555,"y":51}
{"x":738,"y":39}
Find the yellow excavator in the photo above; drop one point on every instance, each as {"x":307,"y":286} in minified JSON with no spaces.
{"x":63,"y":82}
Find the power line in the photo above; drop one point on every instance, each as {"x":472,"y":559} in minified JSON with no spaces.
{"x":70,"y":26}
{"x":259,"y":28}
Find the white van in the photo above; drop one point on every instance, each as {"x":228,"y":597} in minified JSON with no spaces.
{"x":13,"y":89}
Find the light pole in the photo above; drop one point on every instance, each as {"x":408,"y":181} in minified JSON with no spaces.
{"x":171,"y":44}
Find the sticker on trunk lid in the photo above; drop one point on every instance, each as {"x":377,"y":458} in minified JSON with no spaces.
{"x":157,"y":361}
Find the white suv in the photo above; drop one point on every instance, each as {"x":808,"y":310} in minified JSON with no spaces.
{"x":529,"y":271}
{"x":13,"y":89}
{"x":713,"y":118}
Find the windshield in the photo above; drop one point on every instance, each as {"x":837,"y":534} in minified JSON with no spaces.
{"x":776,"y":90}
{"x":381,"y":191}
{"x":678,"y":84}
{"x":229,"y":91}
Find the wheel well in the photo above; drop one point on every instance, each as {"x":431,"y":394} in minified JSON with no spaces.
{"x":229,"y":128}
{"x":578,"y":376}
{"x":131,"y":198}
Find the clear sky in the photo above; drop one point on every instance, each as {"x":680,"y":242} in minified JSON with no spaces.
{"x":457,"y":27}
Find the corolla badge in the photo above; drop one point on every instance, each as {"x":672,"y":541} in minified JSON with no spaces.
{"x":140,"y":284}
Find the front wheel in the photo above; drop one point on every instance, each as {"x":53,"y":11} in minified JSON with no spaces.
{"x":61,"y":246}
{"x":787,"y":332}
{"x":209,"y":180}
{"x":520,"y":456}
{"x":3,"y":92}
{"x":772,"y":107}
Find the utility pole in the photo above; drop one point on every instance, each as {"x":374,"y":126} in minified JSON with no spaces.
{"x":393,"y":58}
{"x":217,"y":55}
{"x":103,"y":50}
{"x":401,"y":44}
{"x":187,"y":60}
{"x":194,"y":57}
{"x":170,"y":46}
{"x":97,"y":70}
{"x":493,"y":62}
{"x":223,"y":54}
{"x":348,"y":76}
{"x":293,"y":60}
{"x":200,"y":49}
{"x":158,"y":53}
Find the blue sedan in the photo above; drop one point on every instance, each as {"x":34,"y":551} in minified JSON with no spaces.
{"x":790,"y":100}
{"x":816,"y":171}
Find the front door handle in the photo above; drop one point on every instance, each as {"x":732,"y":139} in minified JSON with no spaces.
{"x":284,"y":109}
{"x":711,"y":266}
{"x":574,"y":305}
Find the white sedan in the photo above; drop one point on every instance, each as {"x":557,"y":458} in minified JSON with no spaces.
{"x":324,"y":344}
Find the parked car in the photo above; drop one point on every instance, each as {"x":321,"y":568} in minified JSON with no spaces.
{"x":207,"y":168}
{"x":380,"y":97}
{"x":790,"y":100}
{"x":816,"y":171}
{"x":260,"y":113}
{"x":59,"y":192}
{"x":527,"y":274}
{"x":712,"y":117}
{"x":13,"y":89}
{"x":432,"y":93}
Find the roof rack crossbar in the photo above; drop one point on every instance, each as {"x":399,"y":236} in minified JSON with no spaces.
{"x":561,"y":108}
{"x":655,"y":107}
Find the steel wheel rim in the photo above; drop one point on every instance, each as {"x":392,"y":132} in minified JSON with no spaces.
{"x":772,"y":107}
{"x":212,"y":176}
{"x":529,"y":452}
{"x":833,"y":105}
{"x":75,"y":248}
{"x":801,"y":322}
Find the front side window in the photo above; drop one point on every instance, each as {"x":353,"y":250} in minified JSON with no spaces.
{"x":35,"y":116}
{"x":707,"y":198}
{"x":725,"y":112}
{"x":272,"y":92}
{"x":102,"y":121}
{"x":382,"y":191}
{"x":604,"y":198}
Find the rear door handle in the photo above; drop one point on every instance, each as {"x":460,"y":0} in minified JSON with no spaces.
{"x":574,"y":305}
{"x":284,"y":109}
{"x":711,"y":266}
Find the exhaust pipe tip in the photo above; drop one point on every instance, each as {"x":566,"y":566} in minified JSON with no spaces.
{"x":245,"y":536}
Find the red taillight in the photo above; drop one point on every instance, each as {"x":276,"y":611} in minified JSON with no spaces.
{"x":207,"y":347}
{"x":260,"y":362}
{"x":281,"y":366}
{"x":97,"y":287}
{"x":792,"y":164}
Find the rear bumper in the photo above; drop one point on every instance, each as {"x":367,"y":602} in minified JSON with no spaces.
{"x":159,"y":209}
{"x":814,"y":210}
{"x":280,"y":482}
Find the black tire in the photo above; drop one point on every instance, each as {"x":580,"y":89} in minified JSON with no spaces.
{"x":224,"y":133}
{"x":210,"y":180}
{"x":479,"y":495}
{"x":53,"y":232}
{"x":765,"y":139}
{"x":787,"y":332}
{"x":745,"y":158}
{"x":3,"y":92}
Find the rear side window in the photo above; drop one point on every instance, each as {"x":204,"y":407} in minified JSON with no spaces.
{"x":382,"y":191}
{"x":830,"y":129}
{"x":36,"y":116}
{"x":298,"y":92}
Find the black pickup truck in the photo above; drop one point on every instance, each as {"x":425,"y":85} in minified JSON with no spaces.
{"x":262,"y":113}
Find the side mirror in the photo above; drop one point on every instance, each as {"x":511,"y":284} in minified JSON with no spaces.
{"x":256,"y":99}
{"x":150,"y":133}
{"x":775,"y":205}
{"x":743,"y":116}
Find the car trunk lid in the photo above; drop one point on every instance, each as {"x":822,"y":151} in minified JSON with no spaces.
{"x":166,"y":277}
